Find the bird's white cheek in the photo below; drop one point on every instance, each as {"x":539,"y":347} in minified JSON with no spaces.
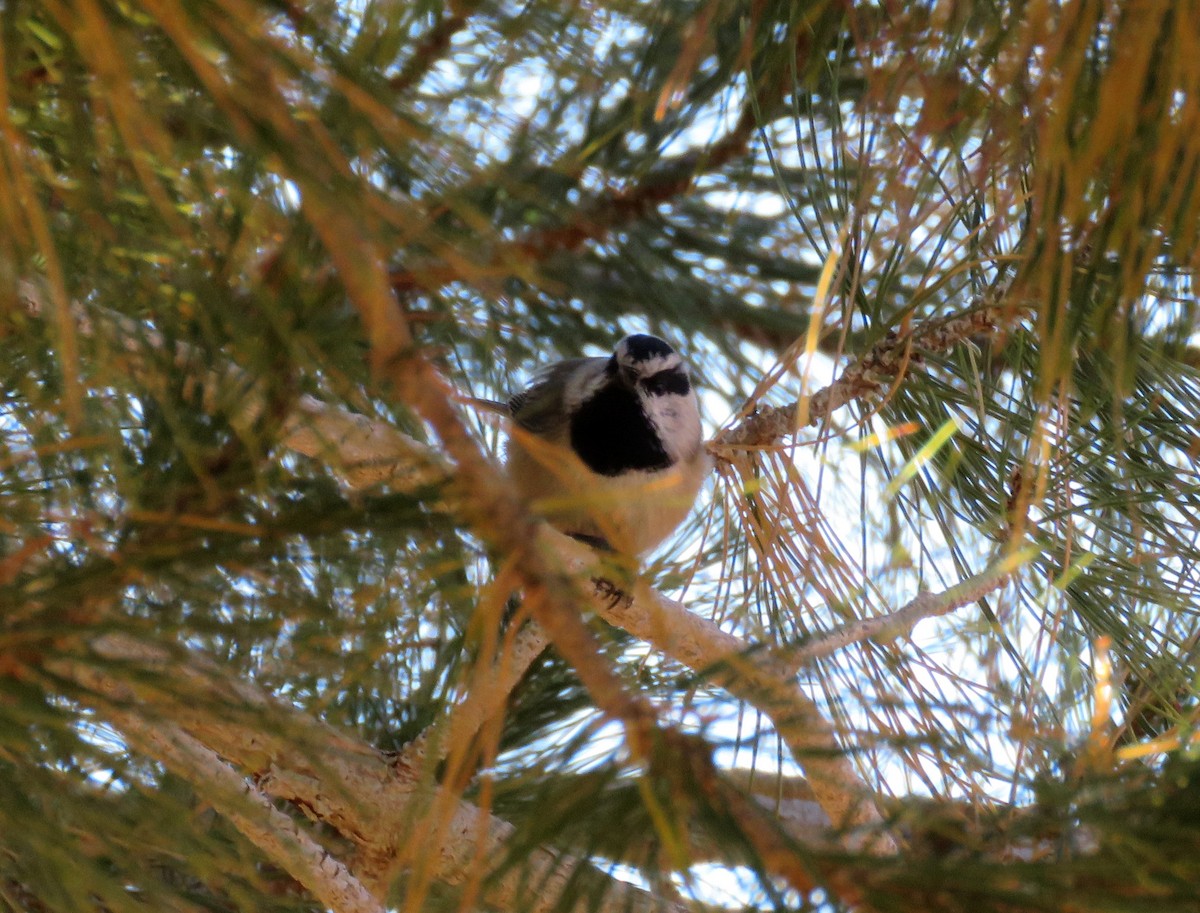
{"x":678,"y":424}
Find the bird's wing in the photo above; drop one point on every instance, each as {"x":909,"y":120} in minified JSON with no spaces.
{"x":539,"y":408}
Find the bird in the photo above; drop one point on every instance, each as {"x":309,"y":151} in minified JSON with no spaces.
{"x":609,"y":450}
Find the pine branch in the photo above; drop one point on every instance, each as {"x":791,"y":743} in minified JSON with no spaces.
{"x":365,"y":453}
{"x":730,"y":662}
{"x":886,"y":361}
{"x":370,"y":798}
{"x":244,"y":804}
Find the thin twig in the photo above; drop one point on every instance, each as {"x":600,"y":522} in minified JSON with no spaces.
{"x":899,"y":623}
{"x":602,"y":215}
{"x":433,"y":45}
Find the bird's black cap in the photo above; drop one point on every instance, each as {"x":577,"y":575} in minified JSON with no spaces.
{"x":642,"y":347}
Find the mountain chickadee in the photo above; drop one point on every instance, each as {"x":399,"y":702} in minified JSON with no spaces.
{"x":609,"y":449}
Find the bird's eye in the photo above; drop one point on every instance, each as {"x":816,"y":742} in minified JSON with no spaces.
{"x":664,"y":382}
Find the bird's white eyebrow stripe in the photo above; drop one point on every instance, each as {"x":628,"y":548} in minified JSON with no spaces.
{"x":658,"y":363}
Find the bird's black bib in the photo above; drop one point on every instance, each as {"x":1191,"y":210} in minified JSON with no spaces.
{"x":612,"y":434}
